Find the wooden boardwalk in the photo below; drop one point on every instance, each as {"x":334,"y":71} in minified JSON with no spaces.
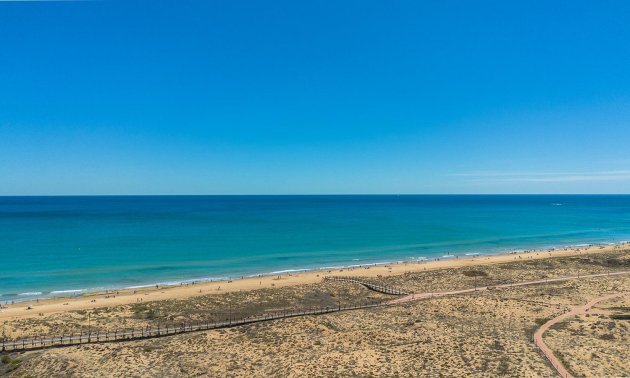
{"x":371,"y":286}
{"x":162,"y":331}
{"x":169,"y":330}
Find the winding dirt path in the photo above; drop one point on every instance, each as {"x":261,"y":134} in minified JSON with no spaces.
{"x":538,"y":336}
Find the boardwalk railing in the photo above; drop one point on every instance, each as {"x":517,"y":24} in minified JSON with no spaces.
{"x":374,"y":287}
{"x":160,"y":330}
{"x":92,"y":337}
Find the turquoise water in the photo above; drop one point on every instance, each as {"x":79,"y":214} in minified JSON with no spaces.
{"x":53,"y":246}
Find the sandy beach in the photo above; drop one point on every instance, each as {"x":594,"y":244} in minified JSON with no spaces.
{"x":129,"y":296}
{"x":481,"y":333}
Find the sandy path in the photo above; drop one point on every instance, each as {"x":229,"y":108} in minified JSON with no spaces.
{"x":538,"y":336}
{"x":419,"y":296}
{"x":122,"y":297}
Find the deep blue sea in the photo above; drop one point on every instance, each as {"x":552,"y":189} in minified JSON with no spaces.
{"x":51,"y":246}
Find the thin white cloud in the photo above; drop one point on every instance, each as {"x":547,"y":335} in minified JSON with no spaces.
{"x":545,"y":176}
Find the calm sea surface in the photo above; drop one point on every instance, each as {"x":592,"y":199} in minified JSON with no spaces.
{"x":56,"y":245}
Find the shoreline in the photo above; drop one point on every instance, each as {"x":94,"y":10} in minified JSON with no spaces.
{"x":37,"y":296}
{"x":87,"y":301}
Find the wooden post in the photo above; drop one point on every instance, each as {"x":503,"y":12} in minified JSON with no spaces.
{"x":89,"y":330}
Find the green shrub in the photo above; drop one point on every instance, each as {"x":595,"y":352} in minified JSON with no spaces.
{"x":541,"y":321}
{"x":475,"y":273}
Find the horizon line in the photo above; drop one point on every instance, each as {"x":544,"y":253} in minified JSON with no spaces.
{"x":314,"y":195}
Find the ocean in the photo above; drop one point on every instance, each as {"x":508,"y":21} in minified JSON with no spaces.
{"x":55,"y":246}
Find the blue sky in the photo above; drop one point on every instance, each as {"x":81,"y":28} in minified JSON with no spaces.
{"x":284,"y":97}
